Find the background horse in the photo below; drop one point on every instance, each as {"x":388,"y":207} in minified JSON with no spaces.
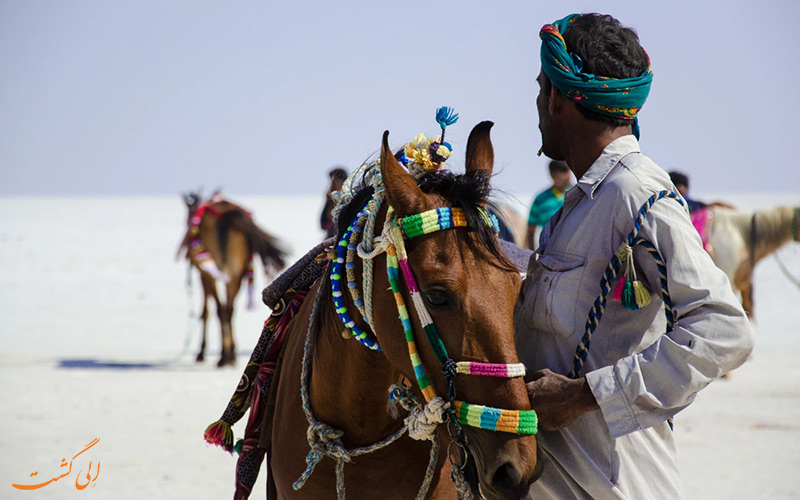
{"x":220,"y":242}
{"x":470,"y":290}
{"x":740,"y":239}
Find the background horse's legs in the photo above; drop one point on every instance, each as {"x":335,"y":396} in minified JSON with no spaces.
{"x":209,"y":290}
{"x":743,"y":281}
{"x":225,"y":318}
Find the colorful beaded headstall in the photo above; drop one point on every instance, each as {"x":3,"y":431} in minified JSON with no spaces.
{"x":484,"y":417}
{"x":421,"y":155}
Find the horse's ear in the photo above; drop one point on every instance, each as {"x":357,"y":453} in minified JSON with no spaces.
{"x":480,"y":154}
{"x":401,"y":189}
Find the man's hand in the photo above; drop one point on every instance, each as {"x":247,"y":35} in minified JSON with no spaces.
{"x":558,"y":400}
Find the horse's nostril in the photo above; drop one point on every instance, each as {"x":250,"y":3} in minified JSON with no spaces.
{"x":506,"y":478}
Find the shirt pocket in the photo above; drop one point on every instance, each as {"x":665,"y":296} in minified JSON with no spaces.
{"x":554,"y":305}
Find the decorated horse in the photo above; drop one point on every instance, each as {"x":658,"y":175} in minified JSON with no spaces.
{"x":388,"y":367}
{"x":220,"y":242}
{"x":738,"y":240}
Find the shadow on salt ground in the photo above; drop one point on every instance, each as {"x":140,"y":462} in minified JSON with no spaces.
{"x":182,"y":362}
{"x":96,"y":363}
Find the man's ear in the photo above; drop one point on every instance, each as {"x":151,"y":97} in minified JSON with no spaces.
{"x":557,"y":100}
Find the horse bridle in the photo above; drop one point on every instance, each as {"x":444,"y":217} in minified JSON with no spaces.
{"x":459,"y":412}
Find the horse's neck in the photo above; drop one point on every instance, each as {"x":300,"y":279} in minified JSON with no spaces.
{"x":773,"y":229}
{"x":350,"y":386}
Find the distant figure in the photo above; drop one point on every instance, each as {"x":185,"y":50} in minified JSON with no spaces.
{"x":699,"y":211}
{"x":548,"y":201}
{"x":338,"y":175}
{"x":681,"y":182}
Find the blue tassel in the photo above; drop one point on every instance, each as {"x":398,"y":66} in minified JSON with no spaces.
{"x":446,"y":116}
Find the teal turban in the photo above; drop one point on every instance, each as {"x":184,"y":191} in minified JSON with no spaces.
{"x":615,"y":97}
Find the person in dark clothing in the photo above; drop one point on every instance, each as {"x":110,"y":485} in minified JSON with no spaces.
{"x":337,"y":175}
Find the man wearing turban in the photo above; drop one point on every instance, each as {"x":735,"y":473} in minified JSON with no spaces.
{"x":606,"y":388}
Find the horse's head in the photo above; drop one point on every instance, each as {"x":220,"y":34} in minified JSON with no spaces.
{"x":469,"y":290}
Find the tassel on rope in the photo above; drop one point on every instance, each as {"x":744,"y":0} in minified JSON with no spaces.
{"x":619,"y":288}
{"x":641,"y":294}
{"x":220,"y":434}
{"x":623,"y":292}
{"x":630,"y":291}
{"x":628,"y":297}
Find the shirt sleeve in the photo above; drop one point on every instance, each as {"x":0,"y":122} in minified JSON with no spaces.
{"x":711,"y":336}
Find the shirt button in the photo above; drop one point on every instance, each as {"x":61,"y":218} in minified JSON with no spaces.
{"x":546,"y":279}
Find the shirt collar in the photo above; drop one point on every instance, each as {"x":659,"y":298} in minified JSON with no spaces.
{"x":611,"y":155}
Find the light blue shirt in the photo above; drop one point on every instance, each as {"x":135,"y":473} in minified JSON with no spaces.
{"x":640,"y":374}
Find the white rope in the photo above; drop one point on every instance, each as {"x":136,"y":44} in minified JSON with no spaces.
{"x":381,"y":243}
{"x":422,"y":422}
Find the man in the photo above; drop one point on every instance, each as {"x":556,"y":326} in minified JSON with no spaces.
{"x":604,"y":434}
{"x":681,"y":182}
{"x":337,"y":175}
{"x":548,"y":201}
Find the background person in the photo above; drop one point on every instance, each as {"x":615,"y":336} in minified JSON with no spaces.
{"x":337,"y":177}
{"x":548,"y":201}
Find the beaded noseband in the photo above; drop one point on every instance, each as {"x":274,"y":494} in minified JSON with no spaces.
{"x":474,"y":415}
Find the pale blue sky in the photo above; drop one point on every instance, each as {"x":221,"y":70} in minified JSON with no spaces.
{"x":155,"y":97}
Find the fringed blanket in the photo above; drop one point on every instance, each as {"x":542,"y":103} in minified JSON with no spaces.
{"x":284,"y":296}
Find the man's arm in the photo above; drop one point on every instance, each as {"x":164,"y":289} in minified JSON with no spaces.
{"x":711,"y":336}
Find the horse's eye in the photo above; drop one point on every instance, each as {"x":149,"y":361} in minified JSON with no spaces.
{"x":437,"y":298}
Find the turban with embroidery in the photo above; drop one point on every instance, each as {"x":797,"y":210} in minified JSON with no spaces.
{"x":615,"y":97}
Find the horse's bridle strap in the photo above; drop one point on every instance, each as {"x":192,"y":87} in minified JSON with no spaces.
{"x":441,"y":218}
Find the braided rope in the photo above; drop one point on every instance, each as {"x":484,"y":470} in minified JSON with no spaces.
{"x":336,"y":287}
{"x":350,"y":265}
{"x":610,"y":274}
{"x":392,"y":269}
{"x":324,"y":440}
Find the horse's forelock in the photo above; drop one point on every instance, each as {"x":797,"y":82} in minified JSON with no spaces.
{"x":468,"y":192}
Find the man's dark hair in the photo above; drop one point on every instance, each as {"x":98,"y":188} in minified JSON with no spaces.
{"x":338,"y":173}
{"x":557,"y":166}
{"x":679,"y":178}
{"x":607,"y":49}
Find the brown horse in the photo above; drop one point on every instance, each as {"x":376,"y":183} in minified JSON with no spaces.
{"x":220,"y":242}
{"x":470,"y":290}
{"x":740,"y":239}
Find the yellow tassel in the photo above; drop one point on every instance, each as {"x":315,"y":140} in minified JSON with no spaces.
{"x":641,"y":293}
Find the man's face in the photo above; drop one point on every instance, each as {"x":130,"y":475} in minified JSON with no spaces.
{"x":545,"y":120}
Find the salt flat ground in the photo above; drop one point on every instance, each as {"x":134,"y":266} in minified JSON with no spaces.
{"x":85,"y":281}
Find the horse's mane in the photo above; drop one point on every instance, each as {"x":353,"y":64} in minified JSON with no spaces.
{"x":468,"y":192}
